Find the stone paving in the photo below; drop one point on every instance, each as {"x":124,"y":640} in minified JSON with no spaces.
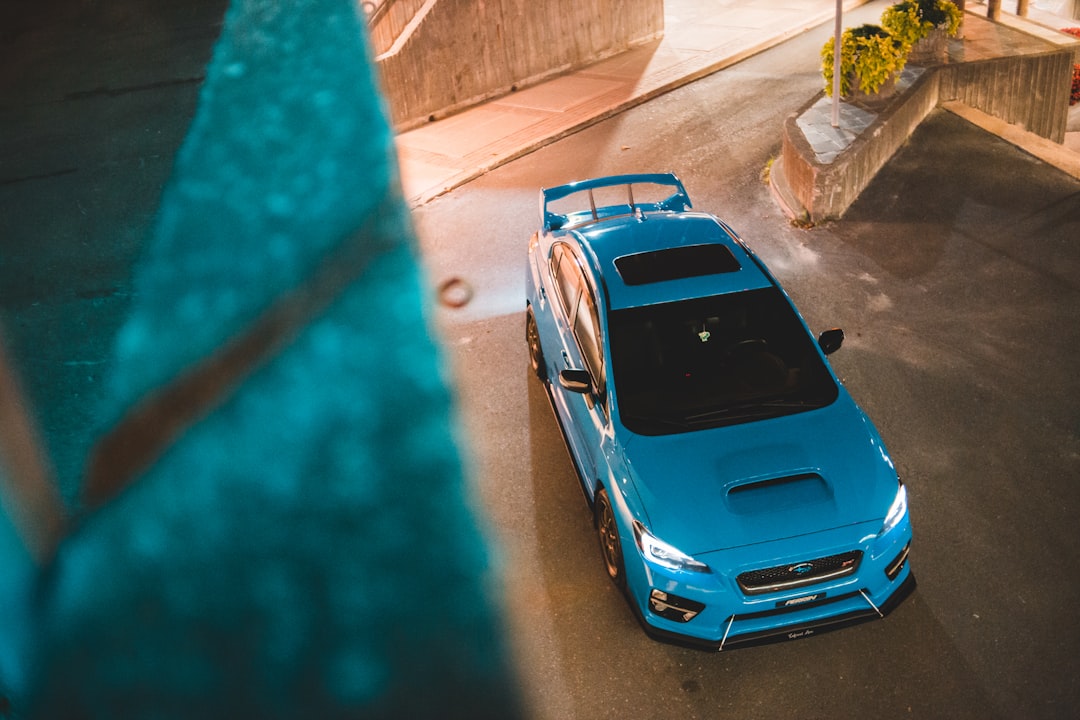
{"x":828,"y":141}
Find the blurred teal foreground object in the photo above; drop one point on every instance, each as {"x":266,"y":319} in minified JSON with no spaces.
{"x":276,"y":522}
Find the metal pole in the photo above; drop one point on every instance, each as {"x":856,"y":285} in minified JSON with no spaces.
{"x":836,"y":64}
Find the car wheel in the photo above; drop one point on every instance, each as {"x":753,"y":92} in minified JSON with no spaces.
{"x":608,"y":532}
{"x":536,"y":353}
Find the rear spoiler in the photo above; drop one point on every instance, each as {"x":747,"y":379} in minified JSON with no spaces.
{"x":678,"y":201}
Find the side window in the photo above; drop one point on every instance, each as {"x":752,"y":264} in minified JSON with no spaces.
{"x":587,"y":331}
{"x":567,"y":279}
{"x":580,"y":307}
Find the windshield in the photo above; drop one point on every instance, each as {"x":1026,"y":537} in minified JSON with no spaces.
{"x":714,"y":361}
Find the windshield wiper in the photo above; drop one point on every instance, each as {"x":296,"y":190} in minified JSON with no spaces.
{"x":681,"y":424}
{"x":752,"y":408}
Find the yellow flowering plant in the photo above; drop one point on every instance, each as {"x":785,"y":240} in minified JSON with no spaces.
{"x":912,"y":20}
{"x":869,"y":52}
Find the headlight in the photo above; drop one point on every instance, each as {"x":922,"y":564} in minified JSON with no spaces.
{"x":656,"y":550}
{"x":896,"y":511}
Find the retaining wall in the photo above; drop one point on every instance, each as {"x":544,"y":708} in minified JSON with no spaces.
{"x":394,"y":19}
{"x":825,"y":190}
{"x":1031,"y":91}
{"x":1019,"y":78}
{"x":461,"y":52}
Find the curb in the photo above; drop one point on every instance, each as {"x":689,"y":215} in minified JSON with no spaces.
{"x":781,"y":192}
{"x":1048,"y":151}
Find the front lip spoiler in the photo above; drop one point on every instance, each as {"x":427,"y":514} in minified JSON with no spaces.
{"x":788,"y":632}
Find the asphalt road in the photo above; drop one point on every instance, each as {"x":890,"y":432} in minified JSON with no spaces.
{"x":954,"y":276}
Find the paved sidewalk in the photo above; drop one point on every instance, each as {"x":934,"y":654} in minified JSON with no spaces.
{"x":699,"y":38}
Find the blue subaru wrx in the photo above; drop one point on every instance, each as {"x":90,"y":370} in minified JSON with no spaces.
{"x":740,"y":495}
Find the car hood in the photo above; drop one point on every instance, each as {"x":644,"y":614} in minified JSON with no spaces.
{"x":760,"y":481}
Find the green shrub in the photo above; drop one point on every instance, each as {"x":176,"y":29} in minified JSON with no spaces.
{"x":942,"y":14}
{"x":869,"y":52}
{"x":912,"y":20}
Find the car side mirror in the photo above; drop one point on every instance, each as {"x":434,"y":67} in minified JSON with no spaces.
{"x":577,"y":381}
{"x":831,"y":340}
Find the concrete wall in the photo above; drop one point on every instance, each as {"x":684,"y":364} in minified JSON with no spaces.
{"x":826,"y":190}
{"x":465,"y":51}
{"x":1027,"y":90}
{"x":1031,"y":91}
{"x":394,"y":18}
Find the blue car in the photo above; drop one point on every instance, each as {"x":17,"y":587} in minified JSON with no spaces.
{"x":740,"y":496}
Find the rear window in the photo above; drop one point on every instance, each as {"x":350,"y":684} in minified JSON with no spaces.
{"x":675,"y":264}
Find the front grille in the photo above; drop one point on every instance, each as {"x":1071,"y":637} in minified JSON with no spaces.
{"x":792,"y":575}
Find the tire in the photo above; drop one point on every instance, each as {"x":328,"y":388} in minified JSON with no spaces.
{"x":607,"y":531}
{"x":536,"y":353}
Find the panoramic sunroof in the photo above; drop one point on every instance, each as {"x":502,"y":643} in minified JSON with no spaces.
{"x":675,"y":264}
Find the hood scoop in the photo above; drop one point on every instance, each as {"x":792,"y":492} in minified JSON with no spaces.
{"x":773,"y":495}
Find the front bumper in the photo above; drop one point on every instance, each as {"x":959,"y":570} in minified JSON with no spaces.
{"x":711,"y":612}
{"x":793,"y":631}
